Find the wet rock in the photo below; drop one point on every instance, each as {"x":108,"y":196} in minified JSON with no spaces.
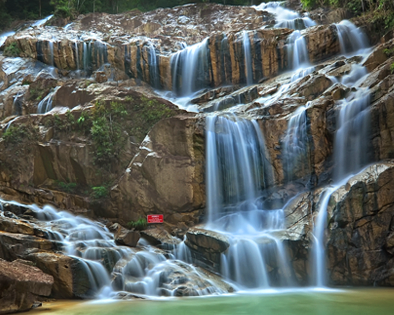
{"x":159,"y":236}
{"x":21,"y":285}
{"x":209,"y":241}
{"x":124,"y":236}
{"x":70,"y":274}
{"x":359,"y":228}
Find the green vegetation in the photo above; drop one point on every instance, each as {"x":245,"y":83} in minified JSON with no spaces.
{"x":147,"y":113}
{"x":37,"y":94}
{"x":12,"y":50}
{"x":66,"y":187}
{"x":16,"y":134}
{"x":138,"y":225}
{"x":392,"y":68}
{"x":99,"y":192}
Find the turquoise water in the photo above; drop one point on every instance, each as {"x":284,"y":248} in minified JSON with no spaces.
{"x":305,"y":302}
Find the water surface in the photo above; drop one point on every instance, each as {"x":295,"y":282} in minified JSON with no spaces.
{"x":299,"y":302}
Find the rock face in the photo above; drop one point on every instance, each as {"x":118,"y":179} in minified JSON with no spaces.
{"x":21,"y":285}
{"x":360,"y":230}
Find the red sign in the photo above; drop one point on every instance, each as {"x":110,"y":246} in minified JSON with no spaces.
{"x":155,"y":218}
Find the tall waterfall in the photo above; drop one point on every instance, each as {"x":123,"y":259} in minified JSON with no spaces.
{"x":189,"y":69}
{"x":153,"y":67}
{"x":237,"y":171}
{"x":350,"y":155}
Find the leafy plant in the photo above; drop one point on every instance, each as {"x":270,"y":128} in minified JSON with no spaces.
{"x":99,"y":192}
{"x":12,"y":50}
{"x":140,"y":224}
{"x":392,"y":68}
{"x":16,"y":134}
{"x":67,"y":187}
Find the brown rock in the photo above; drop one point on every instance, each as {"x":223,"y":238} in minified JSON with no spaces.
{"x":21,"y":285}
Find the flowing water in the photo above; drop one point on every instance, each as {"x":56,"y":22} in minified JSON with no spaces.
{"x":46,"y":104}
{"x":248,"y":58}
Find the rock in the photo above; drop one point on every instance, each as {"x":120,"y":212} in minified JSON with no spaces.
{"x":124,"y":236}
{"x":207,"y":240}
{"x":69,"y":274}
{"x":360,"y":216}
{"x":159,"y":236}
{"x":21,"y":285}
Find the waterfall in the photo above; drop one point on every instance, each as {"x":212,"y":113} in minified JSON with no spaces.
{"x":189,"y":69}
{"x":40,"y":23}
{"x":51,"y":56}
{"x":285,"y":18}
{"x":76,"y":54}
{"x":248,"y":58}
{"x":295,"y":151}
{"x":297,"y":49}
{"x":350,"y":155}
{"x":351,"y":38}
{"x":237,"y":172}
{"x":46,"y":103}
{"x":153,"y":68}
{"x":4,"y":36}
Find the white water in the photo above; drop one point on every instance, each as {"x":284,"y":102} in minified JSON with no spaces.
{"x":40,"y":23}
{"x":285,"y":18}
{"x":248,"y":58}
{"x":297,"y":48}
{"x":237,"y":170}
{"x":153,"y":67}
{"x":295,"y":147}
{"x":189,"y":68}
{"x":4,"y":36}
{"x":46,"y":103}
{"x":351,"y":38}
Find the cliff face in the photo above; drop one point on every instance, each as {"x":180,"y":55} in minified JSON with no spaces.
{"x":157,"y":156}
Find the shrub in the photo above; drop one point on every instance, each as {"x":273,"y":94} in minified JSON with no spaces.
{"x":67,"y":187}
{"x":12,"y":50}
{"x":99,"y":192}
{"x":16,"y":134}
{"x":139,"y":225}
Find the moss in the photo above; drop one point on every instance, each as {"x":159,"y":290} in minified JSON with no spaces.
{"x":12,"y":50}
{"x":139,"y":225}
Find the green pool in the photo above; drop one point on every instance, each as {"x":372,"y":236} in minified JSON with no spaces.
{"x":296,"y":302}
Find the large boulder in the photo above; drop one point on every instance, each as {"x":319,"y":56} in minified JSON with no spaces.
{"x":21,"y":285}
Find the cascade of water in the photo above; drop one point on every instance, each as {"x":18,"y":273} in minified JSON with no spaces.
{"x":87,"y":52}
{"x":351,"y":38}
{"x":4,"y":36}
{"x":189,"y":69}
{"x":76,"y":54}
{"x":153,"y":67}
{"x":46,"y":103}
{"x":297,"y":48}
{"x":285,"y":18}
{"x":350,"y":154}
{"x":295,"y":151}
{"x":236,"y":174}
{"x":248,"y":58}
{"x":40,"y":23}
{"x":51,"y":55}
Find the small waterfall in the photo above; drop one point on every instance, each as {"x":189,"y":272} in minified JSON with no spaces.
{"x":297,"y":48}
{"x":189,"y":69}
{"x":51,"y":55}
{"x":87,"y":53}
{"x":40,"y":23}
{"x":248,"y":58}
{"x":4,"y":36}
{"x":285,"y":18}
{"x":153,"y":67}
{"x":351,"y":38}
{"x":301,"y":73}
{"x":76,"y":54}
{"x":295,"y":152}
{"x":46,"y":103}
